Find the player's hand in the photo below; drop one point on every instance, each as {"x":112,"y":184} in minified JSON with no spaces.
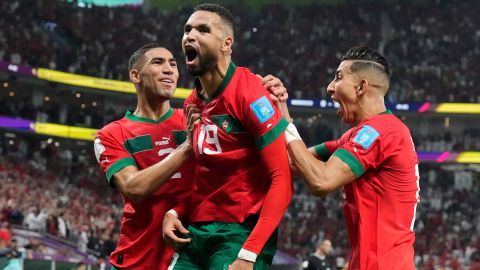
{"x":275,"y":86}
{"x":173,"y":232}
{"x":193,"y":117}
{"x":240,"y":264}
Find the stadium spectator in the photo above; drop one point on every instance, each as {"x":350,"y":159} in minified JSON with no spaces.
{"x":36,"y":219}
{"x":320,"y":259}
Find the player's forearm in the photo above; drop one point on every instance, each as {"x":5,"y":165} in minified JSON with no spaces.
{"x":143,"y":183}
{"x":312,"y":170}
{"x":277,"y":198}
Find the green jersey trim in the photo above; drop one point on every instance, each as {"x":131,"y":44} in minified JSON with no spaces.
{"x":228,"y":77}
{"x":117,"y":166}
{"x":130,"y":116}
{"x":272,"y":134}
{"x":387,"y":112}
{"x":179,"y":136}
{"x":322,"y":151}
{"x":351,"y":161}
{"x":138,"y":144}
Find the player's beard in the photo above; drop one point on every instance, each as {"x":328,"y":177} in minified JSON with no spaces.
{"x":205,"y":63}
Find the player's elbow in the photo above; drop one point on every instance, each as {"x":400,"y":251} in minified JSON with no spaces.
{"x":133,"y":196}
{"x":134,"y":192}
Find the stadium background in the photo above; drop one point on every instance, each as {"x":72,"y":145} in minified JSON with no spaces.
{"x":62,"y":77}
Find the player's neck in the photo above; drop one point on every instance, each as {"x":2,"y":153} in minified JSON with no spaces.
{"x":212,"y":79}
{"x":152,"y":109}
{"x":370,"y":109}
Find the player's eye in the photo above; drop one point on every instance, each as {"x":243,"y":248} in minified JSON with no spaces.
{"x":204,"y":29}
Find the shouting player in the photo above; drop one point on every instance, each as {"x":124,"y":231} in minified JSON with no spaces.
{"x":375,"y":162}
{"x":242,"y":184}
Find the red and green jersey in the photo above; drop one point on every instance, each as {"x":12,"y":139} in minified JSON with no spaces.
{"x":380,"y":204}
{"x":233,"y":175}
{"x":142,"y":142}
{"x":326,"y":149}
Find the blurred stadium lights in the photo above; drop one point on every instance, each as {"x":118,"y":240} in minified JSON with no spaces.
{"x":108,"y":3}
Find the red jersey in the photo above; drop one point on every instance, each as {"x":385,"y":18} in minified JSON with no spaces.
{"x":142,"y":142}
{"x":232,"y":178}
{"x":380,"y":204}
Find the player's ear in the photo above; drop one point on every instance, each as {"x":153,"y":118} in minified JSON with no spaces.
{"x":134,"y":75}
{"x":361,"y":87}
{"x":227,"y":44}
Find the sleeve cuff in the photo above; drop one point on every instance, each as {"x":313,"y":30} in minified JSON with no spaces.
{"x":247,"y":255}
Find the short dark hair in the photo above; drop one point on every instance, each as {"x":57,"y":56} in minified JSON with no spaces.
{"x":139,"y":54}
{"x":366,"y":58}
{"x":224,"y":13}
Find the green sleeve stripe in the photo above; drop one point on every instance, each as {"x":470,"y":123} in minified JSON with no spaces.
{"x":271,"y":135}
{"x":322,"y":151}
{"x":138,"y":144}
{"x":180,"y":136}
{"x":117,"y":166}
{"x":351,"y":161}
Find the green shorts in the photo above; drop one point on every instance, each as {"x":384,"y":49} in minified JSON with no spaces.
{"x":215,"y":245}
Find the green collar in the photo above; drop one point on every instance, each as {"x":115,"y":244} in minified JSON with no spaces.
{"x":387,"y":112}
{"x":228,"y":77}
{"x":130,"y":116}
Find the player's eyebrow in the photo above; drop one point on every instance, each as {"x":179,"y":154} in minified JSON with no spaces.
{"x":161,"y":59}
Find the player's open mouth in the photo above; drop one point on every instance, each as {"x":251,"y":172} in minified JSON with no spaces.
{"x":190,"y":53}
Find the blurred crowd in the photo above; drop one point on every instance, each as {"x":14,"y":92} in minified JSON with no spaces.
{"x":47,"y":189}
{"x":432,"y":59}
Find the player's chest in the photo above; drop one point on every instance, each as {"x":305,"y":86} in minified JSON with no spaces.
{"x":153,"y":144}
{"x":220,"y":130}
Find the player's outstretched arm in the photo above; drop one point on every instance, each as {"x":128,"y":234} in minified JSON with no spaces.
{"x":137,"y":185}
{"x":321,"y":177}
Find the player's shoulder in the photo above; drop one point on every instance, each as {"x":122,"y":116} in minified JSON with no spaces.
{"x":113,"y":127}
{"x":385,"y":124}
{"x":247,"y":83}
{"x":245,"y":75}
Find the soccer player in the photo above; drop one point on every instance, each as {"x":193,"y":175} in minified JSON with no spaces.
{"x":375,"y":162}
{"x":242,"y":185}
{"x":130,"y":150}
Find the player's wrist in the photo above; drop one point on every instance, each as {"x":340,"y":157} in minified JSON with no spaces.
{"x":291,"y":134}
{"x":247,"y":255}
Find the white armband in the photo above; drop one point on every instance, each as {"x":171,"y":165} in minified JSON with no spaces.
{"x":291,"y":134}
{"x":247,"y":255}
